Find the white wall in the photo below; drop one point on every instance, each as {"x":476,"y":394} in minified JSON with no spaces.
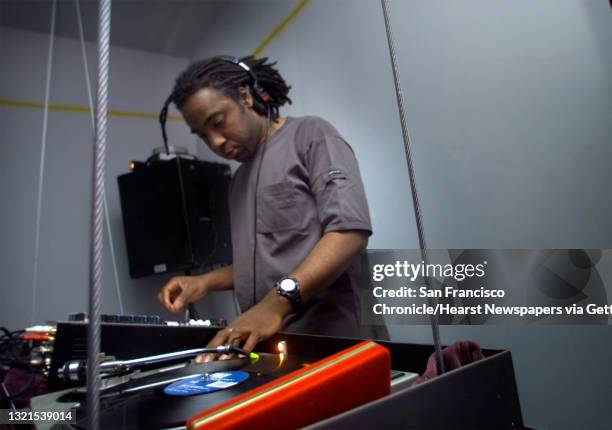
{"x":509,"y":106}
{"x":138,"y":82}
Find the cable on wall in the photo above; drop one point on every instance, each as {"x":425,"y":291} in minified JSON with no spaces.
{"x":93,"y":124}
{"x":43,"y":151}
{"x":95,"y":287}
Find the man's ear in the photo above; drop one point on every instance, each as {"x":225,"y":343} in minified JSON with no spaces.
{"x":246,"y":99}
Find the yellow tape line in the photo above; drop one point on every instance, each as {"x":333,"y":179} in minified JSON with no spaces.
{"x":280,"y":27}
{"x":112,"y":112}
{"x":81,"y":109}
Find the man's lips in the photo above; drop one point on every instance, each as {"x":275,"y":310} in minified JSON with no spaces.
{"x":233,"y":153}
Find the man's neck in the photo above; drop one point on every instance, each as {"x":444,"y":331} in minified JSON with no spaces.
{"x":274,"y":126}
{"x":277,"y":124}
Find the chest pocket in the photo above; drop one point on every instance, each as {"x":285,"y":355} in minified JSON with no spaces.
{"x":277,"y":208}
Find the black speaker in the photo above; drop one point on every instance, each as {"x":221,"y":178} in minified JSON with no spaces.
{"x":165,"y":232}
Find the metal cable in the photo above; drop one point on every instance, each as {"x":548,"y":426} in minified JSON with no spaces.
{"x":95,"y":287}
{"x":93,"y":125}
{"x":415,"y":197}
{"x":43,"y":151}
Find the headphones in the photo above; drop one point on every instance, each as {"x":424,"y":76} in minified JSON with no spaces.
{"x":259,"y":90}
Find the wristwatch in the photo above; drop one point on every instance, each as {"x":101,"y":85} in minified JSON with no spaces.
{"x":290,"y":288}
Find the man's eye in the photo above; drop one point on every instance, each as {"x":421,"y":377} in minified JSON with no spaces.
{"x":218,"y":123}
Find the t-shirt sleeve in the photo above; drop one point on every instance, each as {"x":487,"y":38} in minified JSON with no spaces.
{"x":335,"y":180}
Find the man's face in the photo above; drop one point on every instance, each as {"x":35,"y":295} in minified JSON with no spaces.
{"x":231,"y":129}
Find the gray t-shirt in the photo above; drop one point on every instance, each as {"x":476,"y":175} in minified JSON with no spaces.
{"x":309,"y":184}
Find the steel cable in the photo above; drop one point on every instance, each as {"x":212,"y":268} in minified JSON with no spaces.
{"x":111,"y":243}
{"x":43,"y":152}
{"x":95,"y":287}
{"x":415,"y":195}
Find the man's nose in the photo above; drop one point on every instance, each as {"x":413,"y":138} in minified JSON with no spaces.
{"x":217,"y":141}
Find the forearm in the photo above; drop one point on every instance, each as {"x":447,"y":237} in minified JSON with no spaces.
{"x":219,"y":279}
{"x":323,"y":265}
{"x":327,"y":260}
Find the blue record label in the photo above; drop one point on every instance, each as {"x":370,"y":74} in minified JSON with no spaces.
{"x":206,"y":383}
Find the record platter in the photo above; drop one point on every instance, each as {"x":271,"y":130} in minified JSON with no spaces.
{"x":139,"y":399}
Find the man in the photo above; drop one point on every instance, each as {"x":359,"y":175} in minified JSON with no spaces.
{"x":297,"y":206}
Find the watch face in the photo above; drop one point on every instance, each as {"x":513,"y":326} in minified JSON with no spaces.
{"x":287,"y":285}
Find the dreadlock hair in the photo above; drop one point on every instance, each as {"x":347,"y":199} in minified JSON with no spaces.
{"x":268,"y":88}
{"x":222,"y":73}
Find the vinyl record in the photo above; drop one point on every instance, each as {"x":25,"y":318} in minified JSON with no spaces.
{"x":143,"y":403}
{"x":206,"y":383}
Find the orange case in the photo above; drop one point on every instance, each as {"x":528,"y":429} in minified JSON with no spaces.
{"x":340,"y":382}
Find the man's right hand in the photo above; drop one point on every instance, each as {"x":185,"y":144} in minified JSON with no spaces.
{"x":182,"y":290}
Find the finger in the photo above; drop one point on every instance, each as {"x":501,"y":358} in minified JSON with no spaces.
{"x":220,"y":338}
{"x":166,"y":292}
{"x":226,"y":357}
{"x":236,"y":340}
{"x":181,"y":296}
{"x":179,"y":302}
{"x":164,"y":298}
{"x":251,"y":342}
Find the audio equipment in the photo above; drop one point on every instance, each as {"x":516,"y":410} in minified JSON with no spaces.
{"x":166,"y":231}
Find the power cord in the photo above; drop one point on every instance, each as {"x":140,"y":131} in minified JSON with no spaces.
{"x":12,"y":352}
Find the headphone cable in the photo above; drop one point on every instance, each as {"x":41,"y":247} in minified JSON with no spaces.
{"x":263,"y":153}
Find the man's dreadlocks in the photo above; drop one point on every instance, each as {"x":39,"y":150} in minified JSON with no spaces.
{"x":224,"y":75}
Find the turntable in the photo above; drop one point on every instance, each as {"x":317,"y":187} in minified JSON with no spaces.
{"x":480,"y":395}
{"x":133,"y":396}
